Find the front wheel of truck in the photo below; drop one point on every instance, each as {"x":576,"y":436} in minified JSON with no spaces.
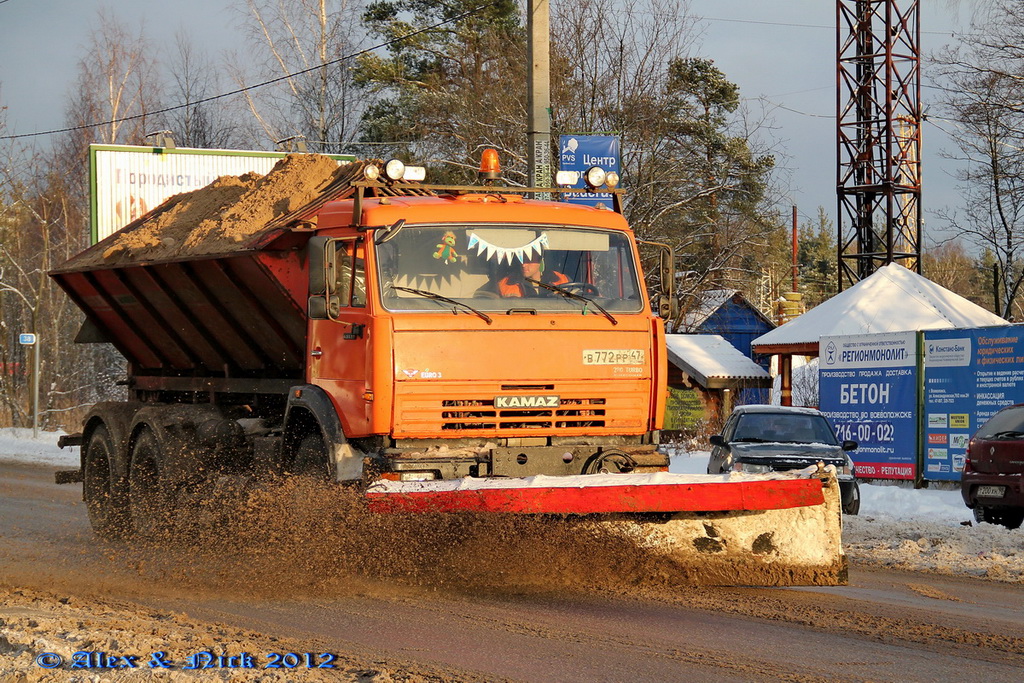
{"x":107,"y":509}
{"x":311,"y":458}
{"x":149,"y":500}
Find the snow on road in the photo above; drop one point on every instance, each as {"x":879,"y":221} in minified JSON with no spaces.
{"x":922,"y":529}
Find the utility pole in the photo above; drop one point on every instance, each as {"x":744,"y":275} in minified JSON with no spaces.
{"x":538,"y":126}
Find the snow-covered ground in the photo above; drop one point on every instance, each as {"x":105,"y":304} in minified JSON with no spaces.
{"x":921,"y":529}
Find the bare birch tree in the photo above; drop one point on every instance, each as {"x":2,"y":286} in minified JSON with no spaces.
{"x":308,"y":38}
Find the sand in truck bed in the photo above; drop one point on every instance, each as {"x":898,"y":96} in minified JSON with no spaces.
{"x":216,"y":218}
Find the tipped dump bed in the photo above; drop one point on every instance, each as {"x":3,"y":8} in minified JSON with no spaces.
{"x":212,"y":283}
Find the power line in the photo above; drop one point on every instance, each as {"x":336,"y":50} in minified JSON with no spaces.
{"x":204,"y":100}
{"x":782,"y":23}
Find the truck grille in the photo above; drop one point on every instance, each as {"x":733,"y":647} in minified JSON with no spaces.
{"x":465,"y":414}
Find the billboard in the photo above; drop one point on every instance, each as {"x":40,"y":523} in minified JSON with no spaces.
{"x":128,"y":181}
{"x":581,"y":152}
{"x":868,"y":389}
{"x":969,"y":375}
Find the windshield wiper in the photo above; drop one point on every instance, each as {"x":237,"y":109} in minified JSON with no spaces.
{"x":1008,"y":434}
{"x":573,"y":295}
{"x":440,"y":297}
{"x":749,"y":439}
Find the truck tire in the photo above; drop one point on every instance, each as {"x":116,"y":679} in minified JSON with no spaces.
{"x":108,"y":510}
{"x":311,"y":458}
{"x":149,"y":501}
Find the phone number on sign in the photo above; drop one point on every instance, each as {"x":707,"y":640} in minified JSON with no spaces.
{"x":866,"y":432}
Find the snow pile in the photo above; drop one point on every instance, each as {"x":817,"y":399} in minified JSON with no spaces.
{"x":17,"y":445}
{"x":932,"y":531}
{"x":919,"y":530}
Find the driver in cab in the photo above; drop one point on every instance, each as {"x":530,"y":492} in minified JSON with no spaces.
{"x":519,"y":285}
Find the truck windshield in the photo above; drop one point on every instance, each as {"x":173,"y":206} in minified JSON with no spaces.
{"x":498,"y":268}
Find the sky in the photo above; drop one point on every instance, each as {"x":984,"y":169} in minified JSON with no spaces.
{"x":781,"y":54}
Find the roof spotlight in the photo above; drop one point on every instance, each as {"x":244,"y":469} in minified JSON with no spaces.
{"x":371,"y":172}
{"x":612,"y":180}
{"x":394,"y":169}
{"x":595,"y":177}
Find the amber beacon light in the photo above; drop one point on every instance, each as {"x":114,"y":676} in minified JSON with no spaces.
{"x":490,"y":168}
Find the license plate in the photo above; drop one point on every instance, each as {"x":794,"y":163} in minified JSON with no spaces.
{"x":614,"y":357}
{"x":991,"y":491}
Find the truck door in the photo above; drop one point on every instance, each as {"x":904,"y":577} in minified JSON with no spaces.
{"x":339,"y":361}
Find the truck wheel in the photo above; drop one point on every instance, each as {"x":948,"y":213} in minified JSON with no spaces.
{"x":150,"y":503}
{"x":311,"y":458}
{"x":108,"y":512}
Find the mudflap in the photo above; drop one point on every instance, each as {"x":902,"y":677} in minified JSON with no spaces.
{"x":716,"y":530}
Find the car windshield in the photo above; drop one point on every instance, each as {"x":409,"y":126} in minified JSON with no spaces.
{"x":1008,"y":422}
{"x":784,"y":428}
{"x":498,"y":268}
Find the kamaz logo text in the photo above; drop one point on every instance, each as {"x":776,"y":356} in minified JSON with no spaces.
{"x":526,"y":402}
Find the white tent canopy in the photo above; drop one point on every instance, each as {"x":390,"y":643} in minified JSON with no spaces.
{"x":892,"y":299}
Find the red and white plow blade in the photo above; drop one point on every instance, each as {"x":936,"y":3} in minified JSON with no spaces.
{"x":598,"y":494}
{"x":775,"y":529}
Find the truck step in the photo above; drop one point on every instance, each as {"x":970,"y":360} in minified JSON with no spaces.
{"x":68,"y":476}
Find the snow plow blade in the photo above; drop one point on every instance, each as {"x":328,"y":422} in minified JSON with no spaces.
{"x":751,"y":530}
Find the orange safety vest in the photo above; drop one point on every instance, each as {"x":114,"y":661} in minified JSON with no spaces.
{"x":512,"y":289}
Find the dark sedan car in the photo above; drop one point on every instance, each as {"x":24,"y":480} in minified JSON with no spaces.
{"x":759,"y":439}
{"x":992,"y":483}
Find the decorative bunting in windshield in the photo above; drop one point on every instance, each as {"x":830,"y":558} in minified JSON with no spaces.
{"x":484,"y":248}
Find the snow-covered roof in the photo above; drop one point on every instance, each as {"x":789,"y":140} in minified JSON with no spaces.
{"x":892,"y":299}
{"x":713,"y":362}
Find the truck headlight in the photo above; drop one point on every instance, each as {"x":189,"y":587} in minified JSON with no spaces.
{"x":416,"y":476}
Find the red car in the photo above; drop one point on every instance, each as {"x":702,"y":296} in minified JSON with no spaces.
{"x":993,"y":480}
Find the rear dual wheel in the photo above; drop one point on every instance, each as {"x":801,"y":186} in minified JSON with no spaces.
{"x":106,"y":506}
{"x":150,"y":502}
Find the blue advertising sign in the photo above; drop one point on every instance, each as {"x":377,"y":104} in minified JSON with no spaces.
{"x":968,"y":376}
{"x":581,"y":152}
{"x":867,"y":386}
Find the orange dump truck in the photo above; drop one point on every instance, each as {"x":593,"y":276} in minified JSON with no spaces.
{"x":449,"y":349}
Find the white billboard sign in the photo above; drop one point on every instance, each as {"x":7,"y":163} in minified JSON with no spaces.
{"x":128,"y":181}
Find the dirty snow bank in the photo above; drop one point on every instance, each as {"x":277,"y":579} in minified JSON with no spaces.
{"x":919,"y":530}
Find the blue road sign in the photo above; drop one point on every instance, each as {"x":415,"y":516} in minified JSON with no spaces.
{"x":580,"y":152}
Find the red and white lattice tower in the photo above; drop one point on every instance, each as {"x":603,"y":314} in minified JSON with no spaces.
{"x":878,"y":136}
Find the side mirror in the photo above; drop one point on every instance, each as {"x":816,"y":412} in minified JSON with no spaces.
{"x":321,"y":266}
{"x":316,"y":307}
{"x":323,"y":307}
{"x":717,"y":440}
{"x":849,"y":445}
{"x":668,"y":307}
